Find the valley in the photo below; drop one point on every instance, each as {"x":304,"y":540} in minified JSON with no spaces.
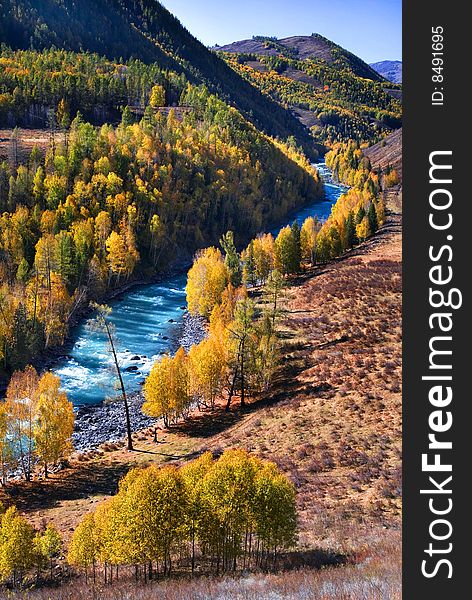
{"x":335,"y":429}
{"x":200,"y":312}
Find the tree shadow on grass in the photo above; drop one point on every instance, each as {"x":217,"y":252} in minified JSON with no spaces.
{"x":71,"y":484}
{"x":315,"y":559}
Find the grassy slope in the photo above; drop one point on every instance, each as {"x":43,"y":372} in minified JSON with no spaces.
{"x":332,"y":422}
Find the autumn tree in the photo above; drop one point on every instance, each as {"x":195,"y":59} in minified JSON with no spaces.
{"x":83,"y":547}
{"x":122,"y":255}
{"x":50,"y":303}
{"x":158,"y":402}
{"x":48,"y":544}
{"x":62,"y":114}
{"x":308,"y":235}
{"x":287,"y":249}
{"x":362,"y":229}
{"x":21,"y":409}
{"x":208,"y":365}
{"x":264,"y":256}
{"x":249,"y":265}
{"x":54,"y":421}
{"x":206,"y":281}
{"x":158,"y":96}
{"x":265,"y":350}
{"x":242,"y":330}
{"x":232,"y":259}
{"x":167,"y":388}
{"x":228,"y":490}
{"x":16,"y":546}
{"x":198,"y":512}
{"x":274,"y":509}
{"x":155,"y":501}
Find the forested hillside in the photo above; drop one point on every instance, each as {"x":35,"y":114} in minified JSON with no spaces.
{"x":313,"y":47}
{"x":144,"y":30}
{"x":332,"y":92}
{"x":109,"y":203}
{"x":33,"y":84}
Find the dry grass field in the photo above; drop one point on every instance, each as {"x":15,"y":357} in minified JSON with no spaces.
{"x":27,"y":139}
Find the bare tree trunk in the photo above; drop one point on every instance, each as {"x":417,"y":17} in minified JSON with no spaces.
{"x":243,"y":402}
{"x":122,"y":385}
{"x":231,"y":393}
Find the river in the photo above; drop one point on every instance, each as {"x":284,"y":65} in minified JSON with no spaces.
{"x":145,"y":320}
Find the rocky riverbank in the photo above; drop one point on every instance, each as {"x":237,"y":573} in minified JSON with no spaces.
{"x":97,"y":424}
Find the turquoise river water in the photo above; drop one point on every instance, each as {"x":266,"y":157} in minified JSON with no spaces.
{"x":145,"y":319}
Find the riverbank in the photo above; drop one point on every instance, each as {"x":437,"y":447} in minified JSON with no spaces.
{"x":101,"y":423}
{"x":51,"y":356}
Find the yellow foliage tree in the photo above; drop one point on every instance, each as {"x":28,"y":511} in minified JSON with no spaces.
{"x":54,"y":423}
{"x":158,"y":96}
{"x":17,"y":554}
{"x":83,"y":548}
{"x":21,"y":406}
{"x":264,"y":256}
{"x":362,"y":229}
{"x":208,"y":367}
{"x":308,"y":235}
{"x":207,"y":279}
{"x":48,"y":545}
{"x":166,"y":389}
{"x":117,"y":251}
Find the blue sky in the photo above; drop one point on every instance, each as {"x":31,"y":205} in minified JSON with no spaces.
{"x":369,"y":28}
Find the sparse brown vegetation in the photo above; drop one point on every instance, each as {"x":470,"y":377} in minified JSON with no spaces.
{"x":376,"y":575}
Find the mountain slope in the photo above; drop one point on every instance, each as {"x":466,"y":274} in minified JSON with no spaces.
{"x":387,"y":153}
{"x":330,"y":90}
{"x":304,"y":47}
{"x":141,"y":29}
{"x":390,"y":69}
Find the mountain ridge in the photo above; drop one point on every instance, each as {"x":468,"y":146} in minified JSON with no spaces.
{"x":333,"y":92}
{"x":302,"y":47}
{"x":390,"y":69}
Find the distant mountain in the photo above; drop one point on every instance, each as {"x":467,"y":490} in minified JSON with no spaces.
{"x":303,"y":47}
{"x":144,"y":30}
{"x":332,"y":91}
{"x":390,"y":69}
